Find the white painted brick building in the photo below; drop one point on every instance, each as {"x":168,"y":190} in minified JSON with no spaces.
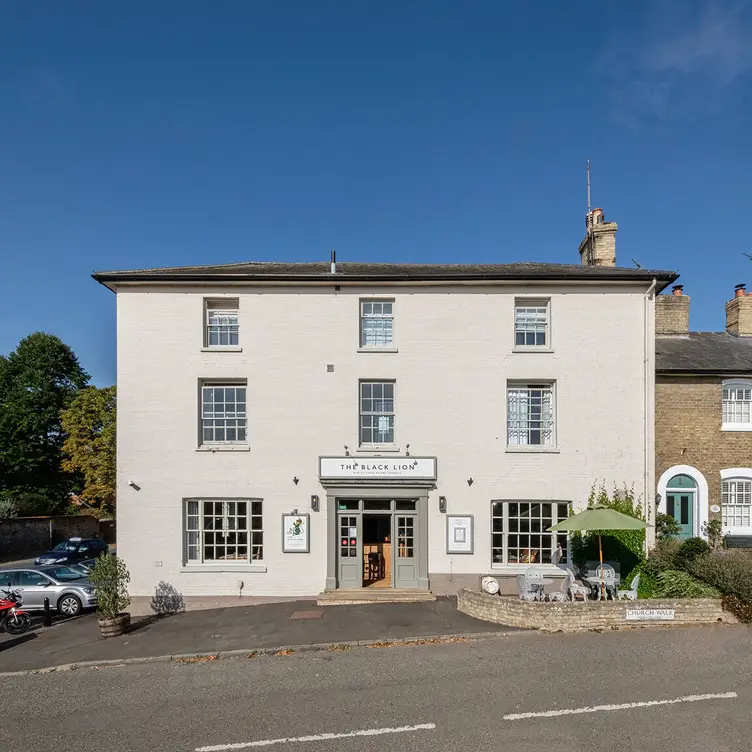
{"x":517,"y":385}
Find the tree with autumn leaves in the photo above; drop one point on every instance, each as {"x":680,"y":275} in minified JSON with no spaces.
{"x":57,"y":435}
{"x":89,"y":447}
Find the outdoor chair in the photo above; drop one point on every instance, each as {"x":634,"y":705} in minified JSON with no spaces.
{"x":574,"y":588}
{"x":562,"y":593}
{"x":528,"y":592}
{"x":631,"y":594}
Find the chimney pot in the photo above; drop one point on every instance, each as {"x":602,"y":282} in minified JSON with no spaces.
{"x":740,"y":290}
{"x":677,"y":290}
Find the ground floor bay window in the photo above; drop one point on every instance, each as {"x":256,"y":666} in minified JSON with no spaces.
{"x":223,"y":530}
{"x":518,"y":532}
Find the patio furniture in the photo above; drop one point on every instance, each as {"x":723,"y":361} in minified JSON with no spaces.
{"x":574,"y":588}
{"x":605,"y":581}
{"x":528,"y":592}
{"x":631,"y":594}
{"x":562,"y":593}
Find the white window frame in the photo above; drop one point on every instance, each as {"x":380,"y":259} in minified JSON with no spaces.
{"x":362,"y":316}
{"x":194,"y":549}
{"x":504,"y":563}
{"x":223,"y":384}
{"x":531,"y":385}
{"x":538,"y":303}
{"x":222,"y":306}
{"x":393,"y":413}
{"x":733,"y":425}
{"x":730,"y":476}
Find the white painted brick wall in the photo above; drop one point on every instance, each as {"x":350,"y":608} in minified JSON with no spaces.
{"x":455,"y":356}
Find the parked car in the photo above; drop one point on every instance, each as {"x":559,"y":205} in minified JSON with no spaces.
{"x":68,"y":589}
{"x":83,"y":566}
{"x":75,"y":549}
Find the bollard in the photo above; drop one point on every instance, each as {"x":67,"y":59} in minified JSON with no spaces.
{"x":47,"y":614}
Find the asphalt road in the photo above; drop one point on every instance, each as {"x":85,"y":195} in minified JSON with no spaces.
{"x":432,"y":698}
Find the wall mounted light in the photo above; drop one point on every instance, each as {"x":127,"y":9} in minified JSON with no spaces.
{"x":347,"y":451}
{"x":407,"y":450}
{"x":296,"y":480}
{"x":657,"y":499}
{"x":442,"y":504}
{"x":470,"y":481}
{"x":314,"y":503}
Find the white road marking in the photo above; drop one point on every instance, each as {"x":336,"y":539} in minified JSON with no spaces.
{"x":621,"y":706}
{"x":318,"y":737}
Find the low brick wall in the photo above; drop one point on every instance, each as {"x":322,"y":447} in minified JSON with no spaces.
{"x":577,"y":616}
{"x":28,"y":536}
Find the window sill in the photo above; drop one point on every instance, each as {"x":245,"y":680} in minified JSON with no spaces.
{"x":378,"y":350}
{"x":222,"y":348}
{"x":532,"y":450}
{"x":376,"y":448}
{"x":521,"y":349}
{"x":547,"y":569}
{"x":204,"y":568}
{"x":736,"y":427}
{"x":224,"y":448}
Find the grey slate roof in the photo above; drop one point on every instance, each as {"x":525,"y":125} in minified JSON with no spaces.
{"x":318,"y":271}
{"x":704,"y":352}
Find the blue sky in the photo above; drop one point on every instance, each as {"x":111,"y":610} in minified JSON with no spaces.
{"x":176,"y":132}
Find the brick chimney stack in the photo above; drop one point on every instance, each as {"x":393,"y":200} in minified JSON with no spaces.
{"x":739,"y":313}
{"x":672,"y":313}
{"x":598,"y":247}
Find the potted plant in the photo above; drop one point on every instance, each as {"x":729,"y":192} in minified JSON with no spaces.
{"x":110,"y":577}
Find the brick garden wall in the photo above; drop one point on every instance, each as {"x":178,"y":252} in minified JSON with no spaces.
{"x":29,"y":536}
{"x":579,"y":616}
{"x":688,"y":430}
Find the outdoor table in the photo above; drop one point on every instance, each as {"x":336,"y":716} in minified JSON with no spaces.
{"x":540,"y":585}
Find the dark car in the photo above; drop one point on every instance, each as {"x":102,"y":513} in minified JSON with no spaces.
{"x":75,"y":549}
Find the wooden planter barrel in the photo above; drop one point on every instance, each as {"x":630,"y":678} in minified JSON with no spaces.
{"x":116,"y":626}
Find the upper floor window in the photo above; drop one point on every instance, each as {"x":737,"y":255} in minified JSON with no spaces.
{"x":376,"y":323}
{"x":221,"y":323}
{"x":223,"y":413}
{"x":531,"y":323}
{"x":737,"y":405}
{"x":530,"y":415}
{"x":736,"y":502}
{"x":376,"y":412}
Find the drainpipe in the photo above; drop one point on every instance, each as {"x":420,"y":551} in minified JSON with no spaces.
{"x":649,"y":416}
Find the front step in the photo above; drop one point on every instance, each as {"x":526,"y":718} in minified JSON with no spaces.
{"x":356,"y":597}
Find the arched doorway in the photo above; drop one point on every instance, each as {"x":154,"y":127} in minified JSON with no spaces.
{"x":681,"y":495}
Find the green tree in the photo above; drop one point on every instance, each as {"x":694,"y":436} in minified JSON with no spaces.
{"x":38,"y":380}
{"x":89,"y":447}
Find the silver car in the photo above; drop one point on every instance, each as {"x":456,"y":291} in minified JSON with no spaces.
{"x":68,"y":589}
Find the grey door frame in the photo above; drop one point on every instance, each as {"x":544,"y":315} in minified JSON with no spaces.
{"x":355,"y":491}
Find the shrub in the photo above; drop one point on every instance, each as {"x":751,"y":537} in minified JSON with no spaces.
{"x":110,"y":577}
{"x":674,"y":583}
{"x":666,"y":526}
{"x":736,"y":606}
{"x":729,"y":571}
{"x":662,"y":557}
{"x":713,"y":531}
{"x":689,"y":550}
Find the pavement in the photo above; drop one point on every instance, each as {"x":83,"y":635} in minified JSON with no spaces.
{"x":673,"y":690}
{"x":241,"y":628}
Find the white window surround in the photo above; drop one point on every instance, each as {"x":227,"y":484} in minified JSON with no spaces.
{"x":534,"y":416}
{"x":223,"y":413}
{"x":743,"y":406}
{"x":532,"y":303}
{"x":221,"y":325}
{"x":376,"y":325}
{"x":701,"y":496}
{"x":735,"y":473}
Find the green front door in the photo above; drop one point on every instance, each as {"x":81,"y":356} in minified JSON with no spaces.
{"x":680,"y":504}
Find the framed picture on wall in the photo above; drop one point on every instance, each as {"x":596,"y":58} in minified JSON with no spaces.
{"x":460,"y":534}
{"x":295,"y":538}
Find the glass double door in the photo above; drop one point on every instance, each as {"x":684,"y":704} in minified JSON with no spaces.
{"x":377,"y":543}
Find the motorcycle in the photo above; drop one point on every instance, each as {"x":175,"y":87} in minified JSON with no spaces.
{"x":12,"y":619}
